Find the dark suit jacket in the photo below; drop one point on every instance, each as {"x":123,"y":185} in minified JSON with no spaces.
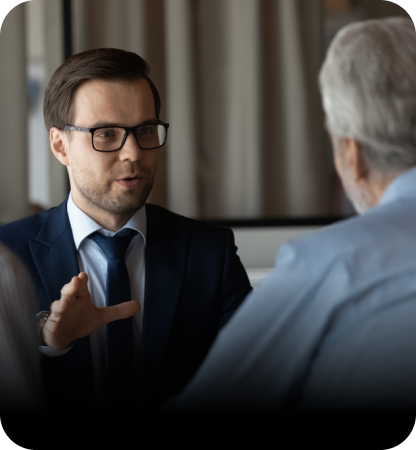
{"x":193,"y":284}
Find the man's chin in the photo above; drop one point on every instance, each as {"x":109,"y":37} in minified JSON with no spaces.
{"x":122,"y":208}
{"x":116,"y":201}
{"x":128,"y":202}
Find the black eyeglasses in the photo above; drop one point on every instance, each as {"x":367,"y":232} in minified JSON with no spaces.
{"x":111,"y":139}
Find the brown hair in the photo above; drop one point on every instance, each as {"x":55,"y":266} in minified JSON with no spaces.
{"x":110,"y":64}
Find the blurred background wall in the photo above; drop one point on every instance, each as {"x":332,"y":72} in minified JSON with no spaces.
{"x":13,"y":119}
{"x":238,"y":81}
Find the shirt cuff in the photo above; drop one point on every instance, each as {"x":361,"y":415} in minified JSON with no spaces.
{"x":52,"y":352}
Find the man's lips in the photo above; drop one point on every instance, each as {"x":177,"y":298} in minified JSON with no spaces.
{"x":129,"y":182}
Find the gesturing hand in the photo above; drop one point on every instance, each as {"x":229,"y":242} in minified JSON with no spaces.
{"x":74,"y":316}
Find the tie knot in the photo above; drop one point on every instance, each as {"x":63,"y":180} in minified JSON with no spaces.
{"x":114,"y":247}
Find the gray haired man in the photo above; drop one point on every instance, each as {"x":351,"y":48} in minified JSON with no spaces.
{"x":333,"y":327}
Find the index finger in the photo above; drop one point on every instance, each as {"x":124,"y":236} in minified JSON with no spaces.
{"x":75,"y":286}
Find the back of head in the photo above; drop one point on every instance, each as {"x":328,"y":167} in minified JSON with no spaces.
{"x":109,"y":64}
{"x":368,"y":85}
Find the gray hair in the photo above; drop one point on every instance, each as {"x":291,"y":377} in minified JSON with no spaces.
{"x":368,"y":85}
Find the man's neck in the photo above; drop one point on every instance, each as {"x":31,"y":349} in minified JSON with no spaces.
{"x":378,"y":184}
{"x":106,"y":219}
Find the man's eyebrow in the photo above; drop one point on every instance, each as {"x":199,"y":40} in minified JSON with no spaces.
{"x":103,"y":124}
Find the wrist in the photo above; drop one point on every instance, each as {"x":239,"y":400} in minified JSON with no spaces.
{"x":41,"y":318}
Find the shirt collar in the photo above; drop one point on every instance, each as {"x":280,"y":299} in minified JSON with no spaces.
{"x":82,"y":225}
{"x":403,"y":186}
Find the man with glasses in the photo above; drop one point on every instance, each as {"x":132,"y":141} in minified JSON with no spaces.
{"x":142,"y":291}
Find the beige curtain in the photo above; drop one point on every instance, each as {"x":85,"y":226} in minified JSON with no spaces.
{"x":238,"y":80}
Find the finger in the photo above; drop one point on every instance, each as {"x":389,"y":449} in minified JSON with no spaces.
{"x":71,"y":288}
{"x":120,"y":311}
{"x":83,"y":276}
{"x":56,"y":307}
{"x":83,"y":284}
{"x":51,"y":326}
{"x":59,"y":306}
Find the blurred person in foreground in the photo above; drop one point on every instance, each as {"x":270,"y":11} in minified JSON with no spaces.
{"x":333,"y":326}
{"x":20,"y":376}
{"x":166,"y":283}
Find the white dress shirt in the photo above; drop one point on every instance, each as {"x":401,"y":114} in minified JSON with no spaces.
{"x":92,"y":261}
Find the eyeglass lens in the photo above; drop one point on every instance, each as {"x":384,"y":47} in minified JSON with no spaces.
{"x":148,"y":137}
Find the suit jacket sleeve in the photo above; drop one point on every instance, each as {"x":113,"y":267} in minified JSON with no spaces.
{"x":235,"y":285}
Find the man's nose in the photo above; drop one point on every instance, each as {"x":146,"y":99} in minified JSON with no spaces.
{"x":131,"y":150}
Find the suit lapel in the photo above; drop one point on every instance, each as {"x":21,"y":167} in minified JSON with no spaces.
{"x":55,"y":257}
{"x":166,"y":257}
{"x":54,"y":253}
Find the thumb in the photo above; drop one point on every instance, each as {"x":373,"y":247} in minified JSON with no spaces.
{"x":120,"y":311}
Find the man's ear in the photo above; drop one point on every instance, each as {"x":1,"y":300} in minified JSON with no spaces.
{"x":354,"y":159}
{"x":59,"y":145}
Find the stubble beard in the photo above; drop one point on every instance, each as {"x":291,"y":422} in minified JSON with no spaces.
{"x":100,"y":197}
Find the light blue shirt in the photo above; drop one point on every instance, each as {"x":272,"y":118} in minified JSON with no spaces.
{"x":333,"y":326}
